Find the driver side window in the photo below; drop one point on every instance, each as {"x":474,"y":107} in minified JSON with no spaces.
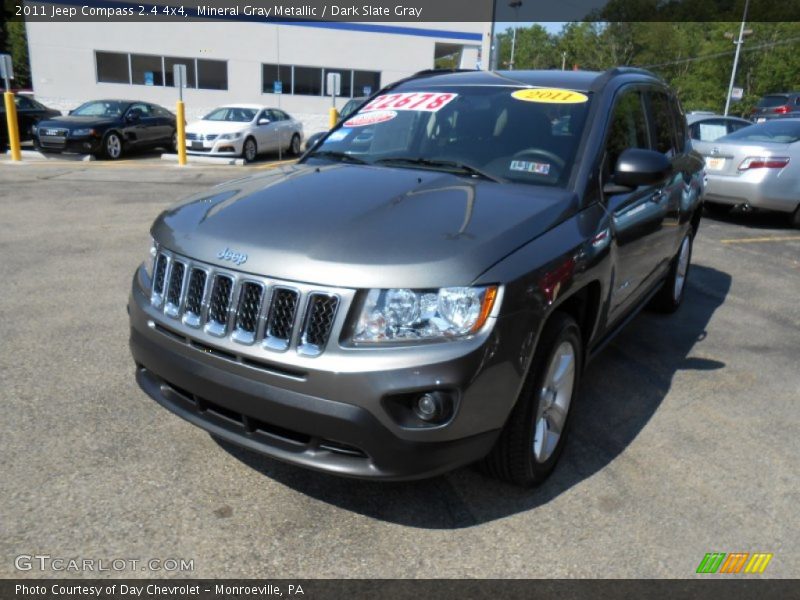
{"x":628,"y":129}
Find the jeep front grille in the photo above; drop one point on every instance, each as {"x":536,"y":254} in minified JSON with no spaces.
{"x":247,"y":309}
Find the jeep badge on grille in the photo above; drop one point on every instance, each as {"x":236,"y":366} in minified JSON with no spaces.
{"x":236,"y":258}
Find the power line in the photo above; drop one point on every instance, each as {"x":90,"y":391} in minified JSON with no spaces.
{"x":725,"y":53}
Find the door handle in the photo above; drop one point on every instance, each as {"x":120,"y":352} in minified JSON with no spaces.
{"x":658,"y":196}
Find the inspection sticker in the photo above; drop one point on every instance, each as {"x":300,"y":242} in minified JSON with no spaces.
{"x":550,"y":96}
{"x":530,"y":167}
{"x":371,"y":118}
{"x":424,"y":101}
{"x":337,"y":135}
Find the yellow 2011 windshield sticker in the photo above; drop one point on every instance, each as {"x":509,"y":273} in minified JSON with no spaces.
{"x":550,"y":96}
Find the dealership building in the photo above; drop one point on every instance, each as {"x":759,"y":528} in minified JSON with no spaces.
{"x":231,"y":60}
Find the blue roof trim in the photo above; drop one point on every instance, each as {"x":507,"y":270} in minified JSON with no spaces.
{"x":345,"y":26}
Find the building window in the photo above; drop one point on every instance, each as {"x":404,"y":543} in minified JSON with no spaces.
{"x":347,"y":82}
{"x":146,"y":70}
{"x":308,"y":81}
{"x":170,"y":62}
{"x":276,"y":76}
{"x":366,"y":83}
{"x":212,"y":74}
{"x":112,"y":67}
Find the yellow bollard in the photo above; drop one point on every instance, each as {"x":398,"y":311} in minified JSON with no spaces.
{"x":181,"y":120}
{"x":13,"y":126}
{"x":333,"y":117}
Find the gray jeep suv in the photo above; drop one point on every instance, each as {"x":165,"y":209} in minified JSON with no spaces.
{"x":424,"y":288}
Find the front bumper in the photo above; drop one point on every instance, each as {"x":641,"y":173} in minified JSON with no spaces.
{"x":336,"y":421}
{"x":758,"y":188}
{"x":215,"y":147}
{"x":81,"y":145}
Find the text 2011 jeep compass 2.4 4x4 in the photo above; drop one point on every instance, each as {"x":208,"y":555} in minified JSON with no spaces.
{"x":423,"y":289}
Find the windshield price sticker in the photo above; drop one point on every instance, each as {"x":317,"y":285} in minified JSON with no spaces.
{"x":371,"y":118}
{"x":422,"y":101}
{"x":550,"y":96}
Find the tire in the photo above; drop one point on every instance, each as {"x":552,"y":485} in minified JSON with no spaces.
{"x":249,"y":150}
{"x":717,"y":210}
{"x":795,"y":218}
{"x":174,"y":146}
{"x":112,"y":146}
{"x":295,"y":145}
{"x":669,"y":297}
{"x":534,"y":436}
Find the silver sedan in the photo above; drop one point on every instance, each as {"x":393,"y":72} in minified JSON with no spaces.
{"x":757,"y":166}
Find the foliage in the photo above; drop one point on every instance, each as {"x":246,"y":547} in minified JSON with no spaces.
{"x":694,"y":57}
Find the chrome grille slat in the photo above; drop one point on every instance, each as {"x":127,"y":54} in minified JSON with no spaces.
{"x":281,"y":317}
{"x":317,"y":324}
{"x":175,"y":289}
{"x":195,"y":292}
{"x":219,"y":303}
{"x":244,"y":309}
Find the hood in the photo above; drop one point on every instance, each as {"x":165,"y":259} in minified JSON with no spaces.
{"x":73,"y":122}
{"x":216,"y":126}
{"x":362,"y":226}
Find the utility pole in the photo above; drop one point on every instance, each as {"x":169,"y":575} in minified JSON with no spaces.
{"x":738,"y":43}
{"x":515,"y":4}
{"x":563,"y":60}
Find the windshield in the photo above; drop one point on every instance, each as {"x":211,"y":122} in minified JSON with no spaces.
{"x":770,"y":101}
{"x":503,"y":133}
{"x":101,"y":108}
{"x":237,"y":115}
{"x":780,"y":131}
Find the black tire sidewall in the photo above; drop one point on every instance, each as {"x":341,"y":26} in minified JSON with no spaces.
{"x":244,"y":150}
{"x":292,"y":149}
{"x":105,"y":152}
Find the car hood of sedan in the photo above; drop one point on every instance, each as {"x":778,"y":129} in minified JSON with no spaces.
{"x":361,"y":226}
{"x":74,"y":122}
{"x":217,"y":127}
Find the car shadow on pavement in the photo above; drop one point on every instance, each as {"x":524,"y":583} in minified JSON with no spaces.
{"x":754,"y":219}
{"x":621,"y":391}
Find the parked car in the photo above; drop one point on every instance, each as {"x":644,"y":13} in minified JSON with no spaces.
{"x":348,"y":109}
{"x":756,"y":167}
{"x":776,"y":106}
{"x":245,"y":130}
{"x":423,"y":289}
{"x":705,"y":128}
{"x":29,"y":112}
{"x":108,"y":128}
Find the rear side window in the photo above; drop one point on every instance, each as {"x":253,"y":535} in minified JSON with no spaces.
{"x":628,"y":128}
{"x":770,"y":101}
{"x":663,"y":129}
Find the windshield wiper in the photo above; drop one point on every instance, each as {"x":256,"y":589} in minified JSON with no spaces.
{"x":450,"y":165}
{"x":341,"y":156}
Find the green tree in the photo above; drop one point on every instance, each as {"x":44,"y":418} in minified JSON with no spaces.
{"x":16,"y":44}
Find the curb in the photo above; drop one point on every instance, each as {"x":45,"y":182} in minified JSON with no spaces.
{"x":209,"y":160}
{"x":36,"y":155}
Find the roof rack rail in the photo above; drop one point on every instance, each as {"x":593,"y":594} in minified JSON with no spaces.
{"x":614,"y":71}
{"x":441,"y":71}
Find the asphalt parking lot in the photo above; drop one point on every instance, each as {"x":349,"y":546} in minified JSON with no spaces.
{"x":687,"y":440}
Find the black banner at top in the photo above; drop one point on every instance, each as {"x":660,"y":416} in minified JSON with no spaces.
{"x":419,"y":11}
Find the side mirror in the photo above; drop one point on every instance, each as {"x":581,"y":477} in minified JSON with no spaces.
{"x":263,"y":121}
{"x":636,"y":167}
{"x":132,"y":116}
{"x":313,"y":139}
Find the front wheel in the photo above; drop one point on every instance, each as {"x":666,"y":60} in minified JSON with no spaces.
{"x":249,"y":150}
{"x":536,"y":431}
{"x":669,"y":297}
{"x":112,"y":146}
{"x":294,"y":146}
{"x":796,"y":218}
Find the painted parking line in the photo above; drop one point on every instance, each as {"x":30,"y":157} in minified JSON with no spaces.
{"x":758,"y":240}
{"x":276,"y":164}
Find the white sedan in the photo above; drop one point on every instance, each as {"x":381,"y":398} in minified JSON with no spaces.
{"x":245,"y":130}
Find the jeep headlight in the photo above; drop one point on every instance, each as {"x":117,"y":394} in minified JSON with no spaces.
{"x":150,"y":259}
{"x":404,"y":315}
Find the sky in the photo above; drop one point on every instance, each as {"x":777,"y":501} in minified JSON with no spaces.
{"x":550,"y":26}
